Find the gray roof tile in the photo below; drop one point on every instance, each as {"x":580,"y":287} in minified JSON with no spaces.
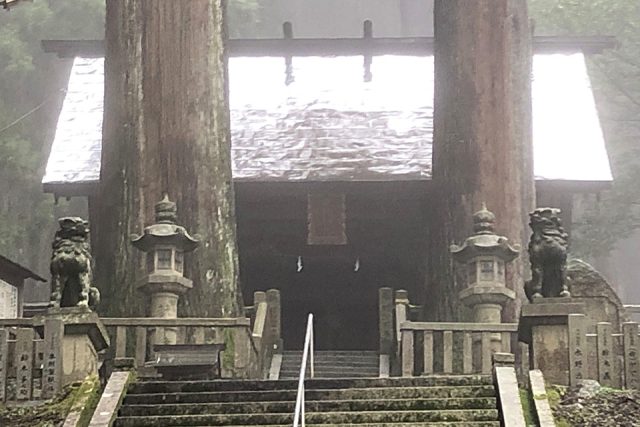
{"x":330,"y":125}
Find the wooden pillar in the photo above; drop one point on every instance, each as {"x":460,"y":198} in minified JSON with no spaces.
{"x":482,"y":136}
{"x":167,"y":130}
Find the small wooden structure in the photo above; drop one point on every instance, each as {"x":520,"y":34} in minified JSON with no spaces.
{"x":12,"y":277}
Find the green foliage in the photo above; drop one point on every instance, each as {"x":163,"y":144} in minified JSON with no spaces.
{"x":615,"y":77}
{"x":527,"y":407}
{"x":244,"y":18}
{"x":30,"y":89}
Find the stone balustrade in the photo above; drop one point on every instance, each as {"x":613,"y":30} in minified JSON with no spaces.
{"x":448,"y":347}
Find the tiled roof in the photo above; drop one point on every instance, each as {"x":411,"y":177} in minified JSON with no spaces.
{"x":330,"y":125}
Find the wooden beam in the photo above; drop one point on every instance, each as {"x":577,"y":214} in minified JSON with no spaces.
{"x":373,"y":46}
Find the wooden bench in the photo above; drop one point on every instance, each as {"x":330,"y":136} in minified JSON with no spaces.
{"x":188,"y":361}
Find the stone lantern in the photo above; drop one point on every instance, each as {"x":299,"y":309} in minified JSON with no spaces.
{"x":485,"y":256}
{"x":165,"y":244}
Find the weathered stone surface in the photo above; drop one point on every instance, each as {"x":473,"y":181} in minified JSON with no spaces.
{"x":578,"y":368}
{"x":112,"y":395}
{"x":82,"y":403}
{"x":80,"y":321}
{"x":448,"y":401}
{"x":71,"y":266}
{"x":504,"y":359}
{"x":587,"y":389}
{"x":511,"y":412}
{"x":608,"y":375}
{"x":4,"y":363}
{"x":385,"y":319}
{"x":52,"y":369}
{"x":79,"y":357}
{"x":548,"y":255}
{"x":545,"y":326}
{"x":547,"y":311}
{"x":631,"y":349}
{"x":538,"y":391}
{"x":24,"y":363}
{"x":84,"y":337}
{"x":590,"y":288}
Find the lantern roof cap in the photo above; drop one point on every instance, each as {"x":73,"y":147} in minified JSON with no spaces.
{"x":165,"y":231}
{"x":485,"y":241}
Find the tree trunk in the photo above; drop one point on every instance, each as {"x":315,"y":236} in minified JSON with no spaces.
{"x":167,"y":130}
{"x":482,"y":135}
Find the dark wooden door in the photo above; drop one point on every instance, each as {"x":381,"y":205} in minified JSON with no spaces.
{"x":343,"y":301}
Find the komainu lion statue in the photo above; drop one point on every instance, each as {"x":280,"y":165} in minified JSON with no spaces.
{"x":548,"y":255}
{"x":71,"y":266}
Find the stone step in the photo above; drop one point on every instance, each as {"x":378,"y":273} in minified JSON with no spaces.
{"x":436,"y":424}
{"x":332,"y":361}
{"x":331,"y":355}
{"x":330,"y":368}
{"x":330,"y":375}
{"x":410,"y":392}
{"x":336,"y":352}
{"x":340,"y":383}
{"x":360,"y":417}
{"x":311,"y":406}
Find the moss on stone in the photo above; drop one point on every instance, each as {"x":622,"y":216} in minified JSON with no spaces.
{"x":88,"y":398}
{"x":228,"y":356}
{"x":53,"y":412}
{"x":554,"y":395}
{"x":527,"y":407}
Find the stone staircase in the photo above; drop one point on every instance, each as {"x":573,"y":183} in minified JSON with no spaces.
{"x":423,"y":401}
{"x":332,"y":364}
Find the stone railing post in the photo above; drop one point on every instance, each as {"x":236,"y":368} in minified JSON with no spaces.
{"x":274,"y":319}
{"x":631,"y":346}
{"x":385,"y":319}
{"x":401,"y":304}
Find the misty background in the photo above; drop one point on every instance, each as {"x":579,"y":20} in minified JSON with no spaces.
{"x":606,"y":227}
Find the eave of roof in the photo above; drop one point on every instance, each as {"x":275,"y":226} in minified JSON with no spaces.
{"x":17,"y":270}
{"x":415,"y":46}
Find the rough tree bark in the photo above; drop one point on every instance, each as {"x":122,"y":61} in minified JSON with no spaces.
{"x":166,"y":130}
{"x":482,"y":135}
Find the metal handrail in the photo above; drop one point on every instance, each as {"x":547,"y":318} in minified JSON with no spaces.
{"x":307,"y":353}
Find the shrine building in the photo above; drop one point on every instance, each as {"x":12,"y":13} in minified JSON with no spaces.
{"x":332,"y":171}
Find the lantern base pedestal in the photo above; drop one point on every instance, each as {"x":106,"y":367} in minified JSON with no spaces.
{"x":544,"y":325}
{"x":487,"y":302}
{"x":164,"y":305}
